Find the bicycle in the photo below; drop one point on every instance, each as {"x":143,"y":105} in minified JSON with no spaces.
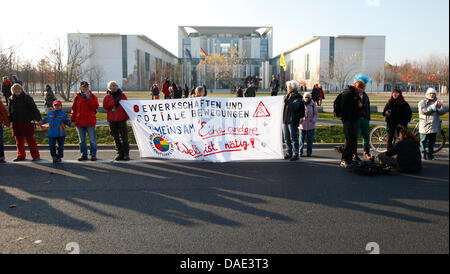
{"x":378,"y":138}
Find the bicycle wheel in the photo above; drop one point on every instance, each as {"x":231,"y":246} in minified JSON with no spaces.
{"x":440,"y":142}
{"x":378,"y":139}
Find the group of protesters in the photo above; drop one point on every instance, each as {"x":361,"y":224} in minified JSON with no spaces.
{"x":300,"y":115}
{"x":408,"y":150}
{"x":170,"y":90}
{"x":24,"y":115}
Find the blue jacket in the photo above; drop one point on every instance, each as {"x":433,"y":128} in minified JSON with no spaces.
{"x":57,"y":120}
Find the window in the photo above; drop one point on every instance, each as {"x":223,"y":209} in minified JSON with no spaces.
{"x":224,"y":48}
{"x":307,"y":69}
{"x":124,"y":57}
{"x":147,"y":65}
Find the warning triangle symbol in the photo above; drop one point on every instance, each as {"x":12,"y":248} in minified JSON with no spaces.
{"x":261,"y":111}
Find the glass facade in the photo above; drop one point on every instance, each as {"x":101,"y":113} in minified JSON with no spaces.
{"x":124,"y":57}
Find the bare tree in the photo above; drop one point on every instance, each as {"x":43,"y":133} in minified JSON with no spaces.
{"x":345,"y":66}
{"x":377,"y":77}
{"x":69,"y":68}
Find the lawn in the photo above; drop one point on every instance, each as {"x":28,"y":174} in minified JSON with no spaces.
{"x":323,"y":134}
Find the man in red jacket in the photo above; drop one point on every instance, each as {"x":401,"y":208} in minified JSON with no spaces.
{"x":117,"y":118}
{"x":84,"y":108}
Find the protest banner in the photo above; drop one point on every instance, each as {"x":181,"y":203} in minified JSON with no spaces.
{"x":206,"y":128}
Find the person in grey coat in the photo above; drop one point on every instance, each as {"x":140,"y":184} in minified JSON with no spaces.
{"x":49,"y":99}
{"x":429,"y":122}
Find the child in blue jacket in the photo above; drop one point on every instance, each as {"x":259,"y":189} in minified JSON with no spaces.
{"x":57,"y":120}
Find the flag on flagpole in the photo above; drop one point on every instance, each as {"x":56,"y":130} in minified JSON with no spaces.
{"x":188,"y":53}
{"x":203,"y":53}
{"x":282,"y":62}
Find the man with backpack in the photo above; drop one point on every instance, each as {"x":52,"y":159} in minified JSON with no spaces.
{"x":347,"y":107}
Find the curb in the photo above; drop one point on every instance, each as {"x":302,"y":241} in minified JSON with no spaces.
{"x":135,"y":147}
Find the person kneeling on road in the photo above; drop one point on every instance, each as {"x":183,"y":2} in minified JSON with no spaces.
{"x":408,"y":158}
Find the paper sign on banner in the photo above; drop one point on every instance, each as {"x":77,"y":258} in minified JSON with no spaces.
{"x":207,"y":128}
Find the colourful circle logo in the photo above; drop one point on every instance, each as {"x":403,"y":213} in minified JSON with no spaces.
{"x":161,"y":144}
{"x":136,"y":108}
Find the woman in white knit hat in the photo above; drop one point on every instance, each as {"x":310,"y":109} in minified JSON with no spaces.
{"x":430,"y":124}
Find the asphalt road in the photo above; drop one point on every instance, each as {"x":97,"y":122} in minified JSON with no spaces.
{"x":268,"y":207}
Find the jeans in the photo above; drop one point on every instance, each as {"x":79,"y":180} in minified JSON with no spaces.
{"x":290,"y":133}
{"x":52,"y":144}
{"x":362,"y":125}
{"x":351,"y":142}
{"x":92,"y":140}
{"x":427,"y":141}
{"x":119,"y":130}
{"x":303,"y":135}
{"x":2,"y":149}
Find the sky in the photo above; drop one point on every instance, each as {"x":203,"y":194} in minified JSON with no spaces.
{"x":414,"y":29}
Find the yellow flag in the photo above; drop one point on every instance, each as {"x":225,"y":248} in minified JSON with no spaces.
{"x":282,"y":62}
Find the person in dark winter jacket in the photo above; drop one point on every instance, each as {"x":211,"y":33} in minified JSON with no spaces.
{"x":6,"y":88}
{"x":117,"y":118}
{"x":398,"y":114}
{"x":275,"y":85}
{"x":84,"y":107}
{"x":315,"y":94}
{"x":49,"y":98}
{"x":350,"y":114}
{"x":362,"y":124}
{"x":293,"y":111}
{"x":22,"y":111}
{"x":155,"y":92}
{"x":407,"y":150}
{"x":185,"y":91}
{"x":178,"y":93}
{"x":57,"y":121}
{"x":193,"y":90}
{"x":250,"y":91}
{"x":239,"y":92}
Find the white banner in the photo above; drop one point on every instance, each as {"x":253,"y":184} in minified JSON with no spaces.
{"x":207,"y":128}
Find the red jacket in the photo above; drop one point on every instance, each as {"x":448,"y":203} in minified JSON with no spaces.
{"x":116,"y":113}
{"x":83,"y":110}
{"x":165,"y":89}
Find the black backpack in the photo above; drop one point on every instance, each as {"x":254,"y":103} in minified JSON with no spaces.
{"x":337,"y":106}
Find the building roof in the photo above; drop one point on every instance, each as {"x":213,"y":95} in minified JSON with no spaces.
{"x":309,"y":41}
{"x":143,"y":37}
{"x":233,"y":30}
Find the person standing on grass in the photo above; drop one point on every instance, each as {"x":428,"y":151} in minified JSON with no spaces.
{"x":84,"y":108}
{"x":117,"y":118}
{"x":429,"y":122}
{"x":398,"y":114}
{"x":6,"y":88}
{"x":155,"y":92}
{"x":4,"y":121}
{"x":293,"y":111}
{"x":321,"y":95}
{"x":275,"y":85}
{"x":308,"y":124}
{"x":49,"y":98}
{"x":22,"y":111}
{"x":315,"y":94}
{"x":250,"y":91}
{"x":165,"y":88}
{"x":185,"y":91}
{"x":239,"y":92}
{"x":57,"y":121}
{"x":200,"y":92}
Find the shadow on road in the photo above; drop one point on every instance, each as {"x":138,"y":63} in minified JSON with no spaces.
{"x":189,"y":193}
